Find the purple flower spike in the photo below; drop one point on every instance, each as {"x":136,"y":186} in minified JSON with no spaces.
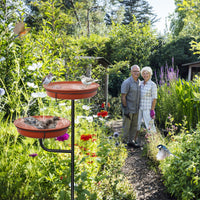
{"x":33,"y":154}
{"x":63,"y":137}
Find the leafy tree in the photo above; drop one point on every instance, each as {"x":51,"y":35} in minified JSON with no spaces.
{"x":133,"y":43}
{"x":86,"y":16}
{"x":91,"y":17}
{"x":186,"y":21}
{"x":140,"y":9}
{"x":178,"y":49}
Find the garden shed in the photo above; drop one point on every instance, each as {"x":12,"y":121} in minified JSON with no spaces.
{"x":193,"y":69}
{"x":100,"y":74}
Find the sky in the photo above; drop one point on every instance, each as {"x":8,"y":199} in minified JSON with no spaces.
{"x":162,"y":8}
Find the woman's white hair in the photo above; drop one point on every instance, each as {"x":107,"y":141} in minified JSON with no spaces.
{"x":148,"y":69}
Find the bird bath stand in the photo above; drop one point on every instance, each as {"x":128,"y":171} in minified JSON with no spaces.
{"x":60,"y":90}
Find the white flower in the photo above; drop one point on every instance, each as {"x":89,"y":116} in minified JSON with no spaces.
{"x":35,"y":66}
{"x":101,"y":119}
{"x":43,"y":109}
{"x":89,"y":119}
{"x":68,"y":108}
{"x":95,"y":116}
{"x":38,"y":94}
{"x":62,"y":104}
{"x":85,"y":107}
{"x":32,"y":85}
{"x":80,"y":117}
{"x":2,"y":91}
{"x":2,"y":59}
{"x":77,"y":121}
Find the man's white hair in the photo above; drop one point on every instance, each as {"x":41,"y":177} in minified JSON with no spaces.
{"x":135,"y":66}
{"x":148,"y":69}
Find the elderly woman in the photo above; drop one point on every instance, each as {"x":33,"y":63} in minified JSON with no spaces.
{"x":147,"y":100}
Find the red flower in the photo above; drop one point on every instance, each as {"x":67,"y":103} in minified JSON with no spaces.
{"x":102,"y":105}
{"x":102,"y":113}
{"x":93,"y":155}
{"x":86,"y":137}
{"x":99,"y":114}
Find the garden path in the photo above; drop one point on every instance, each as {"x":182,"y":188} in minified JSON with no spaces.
{"x":146,"y":182}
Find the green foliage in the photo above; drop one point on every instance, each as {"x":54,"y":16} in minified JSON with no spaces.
{"x":189,"y":12}
{"x":181,"y":173}
{"x":133,"y":43}
{"x":186,"y":22}
{"x":94,"y":45}
{"x":181,"y":176}
{"x":179,"y":49}
{"x":177,"y":99}
{"x":117,"y":74}
{"x":115,"y":111}
{"x":197,"y":83}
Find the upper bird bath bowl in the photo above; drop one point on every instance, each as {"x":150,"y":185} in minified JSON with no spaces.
{"x":33,"y":132}
{"x":71,"y":90}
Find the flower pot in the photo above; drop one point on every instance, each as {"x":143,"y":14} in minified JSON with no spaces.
{"x":71,"y":90}
{"x":33,"y":132}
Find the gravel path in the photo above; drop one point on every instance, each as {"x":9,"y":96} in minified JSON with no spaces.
{"x":146,"y":182}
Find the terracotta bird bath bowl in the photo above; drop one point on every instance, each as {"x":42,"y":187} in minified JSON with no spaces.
{"x":33,"y":132}
{"x":71,"y":90}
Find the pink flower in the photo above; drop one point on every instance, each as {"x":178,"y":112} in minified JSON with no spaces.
{"x":33,"y":154}
{"x":63,"y":137}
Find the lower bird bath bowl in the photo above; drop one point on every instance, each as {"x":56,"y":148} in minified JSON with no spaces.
{"x":71,"y":90}
{"x":33,"y":132}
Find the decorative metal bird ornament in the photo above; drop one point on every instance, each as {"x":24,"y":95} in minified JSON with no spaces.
{"x":87,"y":81}
{"x":47,"y":79}
{"x":163,"y":152}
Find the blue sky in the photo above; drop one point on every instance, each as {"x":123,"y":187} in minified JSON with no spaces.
{"x":162,"y":8}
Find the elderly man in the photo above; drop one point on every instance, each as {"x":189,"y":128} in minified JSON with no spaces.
{"x":130,"y":94}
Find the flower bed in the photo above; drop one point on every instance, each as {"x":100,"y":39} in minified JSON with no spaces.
{"x":29,"y":172}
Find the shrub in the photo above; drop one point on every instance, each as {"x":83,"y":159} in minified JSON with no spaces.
{"x":181,"y":176}
{"x":177,"y":98}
